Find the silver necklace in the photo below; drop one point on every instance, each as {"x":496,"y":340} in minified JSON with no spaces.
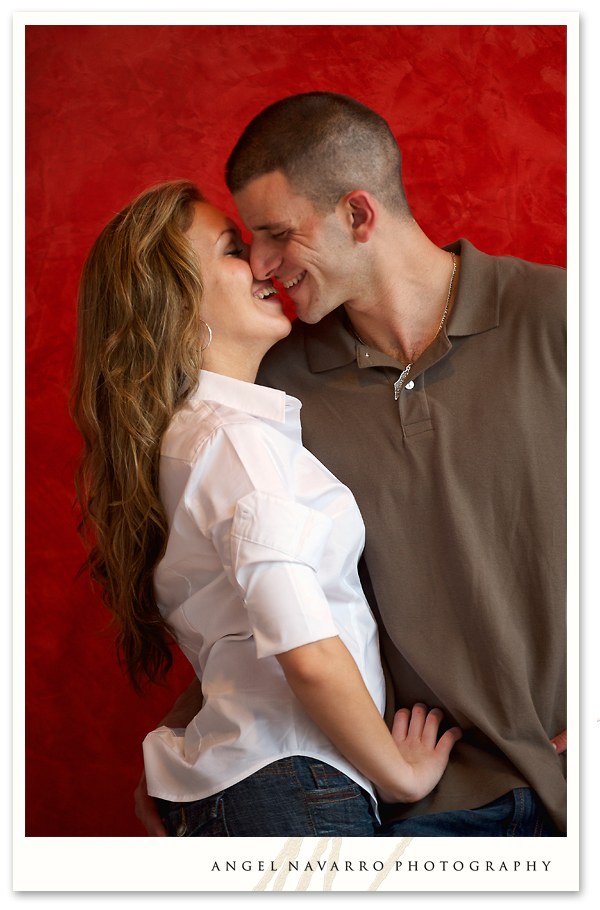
{"x":400,"y":381}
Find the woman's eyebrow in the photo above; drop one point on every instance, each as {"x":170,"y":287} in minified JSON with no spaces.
{"x":230,"y":230}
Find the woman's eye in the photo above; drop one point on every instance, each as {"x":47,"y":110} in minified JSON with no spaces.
{"x":235,"y":252}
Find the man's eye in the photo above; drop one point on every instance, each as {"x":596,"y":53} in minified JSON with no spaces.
{"x":280,"y":236}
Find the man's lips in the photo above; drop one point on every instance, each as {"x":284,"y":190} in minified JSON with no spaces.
{"x":294,"y":281}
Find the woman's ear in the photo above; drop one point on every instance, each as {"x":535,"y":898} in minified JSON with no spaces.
{"x":362,"y":210}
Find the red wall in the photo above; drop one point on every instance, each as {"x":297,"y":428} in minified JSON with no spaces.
{"x":479,"y":112}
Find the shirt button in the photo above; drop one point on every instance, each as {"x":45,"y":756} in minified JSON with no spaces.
{"x":410,"y":385}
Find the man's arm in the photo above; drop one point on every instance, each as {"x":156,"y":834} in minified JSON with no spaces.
{"x":183,"y":711}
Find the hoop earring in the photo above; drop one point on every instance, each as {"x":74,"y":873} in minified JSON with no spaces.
{"x":209,"y":335}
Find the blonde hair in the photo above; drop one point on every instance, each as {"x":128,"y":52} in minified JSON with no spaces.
{"x":138,"y":347}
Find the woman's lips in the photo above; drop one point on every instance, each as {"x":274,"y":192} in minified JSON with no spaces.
{"x":265,"y":290}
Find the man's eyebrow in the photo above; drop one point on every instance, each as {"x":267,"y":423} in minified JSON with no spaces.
{"x":270,"y":226}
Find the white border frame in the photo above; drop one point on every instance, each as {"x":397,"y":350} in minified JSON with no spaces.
{"x":40,"y":862}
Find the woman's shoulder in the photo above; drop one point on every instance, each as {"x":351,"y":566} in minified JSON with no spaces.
{"x":199,"y":424}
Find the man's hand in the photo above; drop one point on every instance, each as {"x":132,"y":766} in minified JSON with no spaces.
{"x":145,"y":809}
{"x":415,"y":735}
{"x":560,"y":742}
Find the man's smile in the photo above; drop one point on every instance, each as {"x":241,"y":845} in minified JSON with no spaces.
{"x":290,"y":284}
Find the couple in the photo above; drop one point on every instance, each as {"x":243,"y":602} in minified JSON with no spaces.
{"x":432,"y":385}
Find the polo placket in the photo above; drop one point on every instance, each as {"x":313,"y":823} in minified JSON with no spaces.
{"x":413,"y":405}
{"x":414,"y":408}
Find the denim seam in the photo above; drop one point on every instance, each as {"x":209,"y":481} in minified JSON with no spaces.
{"x":304,"y":800}
{"x":329,"y":785}
{"x":341,"y":796}
{"x":317,"y":771}
{"x":516,"y":821}
{"x":262,"y":773}
{"x":221,"y":800}
{"x":347,"y":788}
{"x":538,"y":823}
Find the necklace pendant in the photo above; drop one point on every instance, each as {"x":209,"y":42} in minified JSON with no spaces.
{"x":399,"y":381}
{"x":406,"y":371}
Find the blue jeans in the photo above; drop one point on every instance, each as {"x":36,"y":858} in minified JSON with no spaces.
{"x":518,"y":813}
{"x":292,"y":797}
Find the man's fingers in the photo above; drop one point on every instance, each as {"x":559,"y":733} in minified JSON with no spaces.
{"x":560,"y":742}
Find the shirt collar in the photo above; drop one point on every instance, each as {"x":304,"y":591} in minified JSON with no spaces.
{"x":257,"y":400}
{"x":476,"y":308}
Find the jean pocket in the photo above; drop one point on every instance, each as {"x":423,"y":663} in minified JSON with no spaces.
{"x":331,"y":784}
{"x":337,"y":805}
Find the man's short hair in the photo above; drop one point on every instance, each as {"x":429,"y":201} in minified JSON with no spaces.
{"x":326,"y":145}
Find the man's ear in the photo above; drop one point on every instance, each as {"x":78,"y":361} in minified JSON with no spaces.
{"x":362,"y":211}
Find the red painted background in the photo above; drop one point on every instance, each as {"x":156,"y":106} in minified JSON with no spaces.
{"x":479,"y":112}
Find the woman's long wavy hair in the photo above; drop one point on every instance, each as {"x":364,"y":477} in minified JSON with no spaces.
{"x":138,"y":348}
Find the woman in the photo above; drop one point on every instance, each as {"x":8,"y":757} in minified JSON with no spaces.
{"x":212,"y":525}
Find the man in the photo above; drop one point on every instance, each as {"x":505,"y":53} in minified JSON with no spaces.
{"x":432,"y":383}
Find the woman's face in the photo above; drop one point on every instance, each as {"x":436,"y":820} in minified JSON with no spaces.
{"x":243,"y":313}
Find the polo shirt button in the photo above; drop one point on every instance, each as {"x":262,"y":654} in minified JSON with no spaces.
{"x":410,"y":385}
{"x":181,"y":829}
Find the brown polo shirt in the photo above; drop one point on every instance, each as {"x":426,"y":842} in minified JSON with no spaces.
{"x":461,"y":483}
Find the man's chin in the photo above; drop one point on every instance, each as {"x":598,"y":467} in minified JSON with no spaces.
{"x":310,"y":314}
{"x":309,"y":318}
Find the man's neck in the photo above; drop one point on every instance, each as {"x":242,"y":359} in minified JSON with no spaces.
{"x":403,"y":309}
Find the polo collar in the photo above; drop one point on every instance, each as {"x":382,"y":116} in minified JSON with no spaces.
{"x":329,"y":343}
{"x":256,"y":400}
{"x":477,"y":303}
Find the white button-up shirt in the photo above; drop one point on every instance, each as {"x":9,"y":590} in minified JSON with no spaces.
{"x":261,"y":558}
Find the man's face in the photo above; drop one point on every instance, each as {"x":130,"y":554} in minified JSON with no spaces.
{"x":308,"y":252}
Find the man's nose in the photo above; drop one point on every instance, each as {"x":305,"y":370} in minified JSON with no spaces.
{"x":264,"y":260}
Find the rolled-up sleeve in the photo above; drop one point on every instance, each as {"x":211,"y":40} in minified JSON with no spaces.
{"x":276,"y":548}
{"x":269,"y":544}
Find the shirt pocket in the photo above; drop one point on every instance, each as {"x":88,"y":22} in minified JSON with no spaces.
{"x":291,"y":531}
